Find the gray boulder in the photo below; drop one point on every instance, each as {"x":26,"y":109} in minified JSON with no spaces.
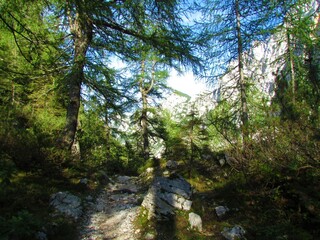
{"x":84,"y":181}
{"x":237,"y":232}
{"x":166,"y":195}
{"x":177,"y":185}
{"x":41,"y":236}
{"x":195,"y":221}
{"x":123,"y":179}
{"x":67,"y":204}
{"x":221,"y":211}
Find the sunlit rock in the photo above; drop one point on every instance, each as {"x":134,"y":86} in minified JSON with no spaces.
{"x":166,"y":195}
{"x":195,"y":221}
{"x":67,"y":204}
{"x":237,"y":232}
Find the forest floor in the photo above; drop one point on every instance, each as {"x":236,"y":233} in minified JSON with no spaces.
{"x":265,"y":209}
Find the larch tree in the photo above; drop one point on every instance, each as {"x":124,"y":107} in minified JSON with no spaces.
{"x":228,"y":29}
{"x":298,"y":66}
{"x":108,"y":27}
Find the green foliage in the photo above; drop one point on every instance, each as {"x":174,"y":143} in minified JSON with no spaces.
{"x":7,"y":169}
{"x":23,"y":225}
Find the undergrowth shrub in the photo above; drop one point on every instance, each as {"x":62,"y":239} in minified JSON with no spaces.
{"x":22,"y":225}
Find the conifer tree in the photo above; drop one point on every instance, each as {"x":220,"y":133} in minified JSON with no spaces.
{"x":228,"y":30}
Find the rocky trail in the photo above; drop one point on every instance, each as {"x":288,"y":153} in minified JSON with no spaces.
{"x":111,"y":215}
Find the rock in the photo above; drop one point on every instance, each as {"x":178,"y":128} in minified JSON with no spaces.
{"x":221,"y":211}
{"x":171,"y":165}
{"x":41,"y":236}
{"x":195,"y":221}
{"x":84,"y":181}
{"x":89,"y":198}
{"x":155,"y":205}
{"x":165,"y":195}
{"x":125,"y":188}
{"x":149,"y":236}
{"x":237,"y":232}
{"x":149,"y":170}
{"x":123,"y":179}
{"x":166,"y":173}
{"x":66,"y":203}
{"x":222,"y":162}
{"x":177,"y":201}
{"x":177,"y":185}
{"x":206,"y":157}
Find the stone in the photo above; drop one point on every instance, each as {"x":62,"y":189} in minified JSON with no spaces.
{"x":41,"y":236}
{"x":237,"y":232}
{"x":84,"y":181}
{"x":149,"y":170}
{"x":166,"y":173}
{"x":67,"y":204}
{"x":123,"y":179}
{"x":156,"y":206}
{"x":195,"y":221}
{"x":149,"y":236}
{"x":166,"y":195}
{"x":177,"y":201}
{"x":221,"y":211}
{"x":222,"y":162}
{"x":177,"y":185}
{"x":89,"y":198}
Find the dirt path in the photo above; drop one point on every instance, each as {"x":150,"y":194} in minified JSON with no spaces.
{"x":111,"y":215}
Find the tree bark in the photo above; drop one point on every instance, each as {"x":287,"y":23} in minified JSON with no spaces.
{"x":144,"y":90}
{"x":291,"y":63}
{"x":108,"y":132}
{"x":81,"y":29}
{"x":144,"y":112}
{"x":242,"y":83}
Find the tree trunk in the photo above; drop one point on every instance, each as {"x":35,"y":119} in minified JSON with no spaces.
{"x":144,"y":125}
{"x":81,"y":29}
{"x":242,"y":83}
{"x":144,"y":90}
{"x":75,"y":147}
{"x":108,"y":132}
{"x":291,"y":64}
{"x":144,"y":113}
{"x":314,"y":71}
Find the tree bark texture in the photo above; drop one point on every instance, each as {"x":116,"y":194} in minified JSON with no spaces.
{"x":144,"y":90}
{"x":242,"y":83}
{"x":108,"y":132}
{"x":81,"y":29}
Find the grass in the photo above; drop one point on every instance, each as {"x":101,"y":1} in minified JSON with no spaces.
{"x":264,"y":210}
{"x":265,"y":205}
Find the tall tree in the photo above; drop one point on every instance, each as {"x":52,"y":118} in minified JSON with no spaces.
{"x":228,"y":31}
{"x":301,"y":27}
{"x":81,"y":29}
{"x":149,"y":81}
{"x":109,"y":27}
